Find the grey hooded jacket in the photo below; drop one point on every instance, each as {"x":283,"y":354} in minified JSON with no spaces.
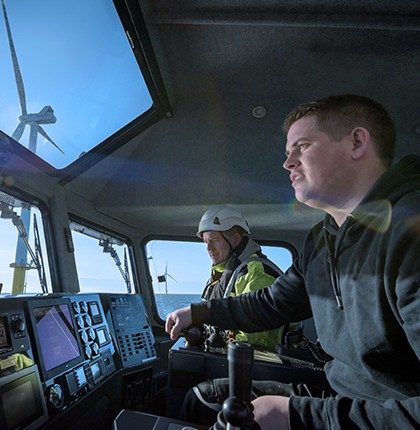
{"x":360,"y":282}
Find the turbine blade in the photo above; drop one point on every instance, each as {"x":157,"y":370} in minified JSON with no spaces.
{"x":17,"y":134}
{"x":16,"y":69}
{"x":43,"y":133}
{"x":171,"y":277}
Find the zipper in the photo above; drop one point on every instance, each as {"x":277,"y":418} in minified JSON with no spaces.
{"x":334,"y":280}
{"x":332,"y":264}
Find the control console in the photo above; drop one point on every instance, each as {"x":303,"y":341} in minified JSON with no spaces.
{"x":95,"y":336}
{"x":133,"y":331}
{"x":22,"y":401}
{"x":56,"y":348}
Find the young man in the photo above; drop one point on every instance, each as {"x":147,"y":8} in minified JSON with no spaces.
{"x":358,"y":273}
{"x":238,"y":266}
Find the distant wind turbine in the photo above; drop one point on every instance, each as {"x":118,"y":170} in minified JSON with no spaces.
{"x":164,"y":278}
{"x":33,"y":120}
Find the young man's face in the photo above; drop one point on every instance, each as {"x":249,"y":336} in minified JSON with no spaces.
{"x":217,"y":246}
{"x":319,"y":166}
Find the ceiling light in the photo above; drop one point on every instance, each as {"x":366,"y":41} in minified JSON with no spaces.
{"x":259,"y":112}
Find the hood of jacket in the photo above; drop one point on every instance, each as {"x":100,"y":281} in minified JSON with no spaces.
{"x":375,"y":210}
{"x":402,"y":178}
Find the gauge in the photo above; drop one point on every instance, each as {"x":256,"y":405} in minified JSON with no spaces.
{"x":76,"y":307}
{"x":83,"y":306}
{"x":88,"y":351}
{"x":88,"y":320}
{"x":80,"y":322}
{"x":91,"y":333}
{"x":84,"y":336}
{"x":56,"y":396}
{"x":95,"y":348}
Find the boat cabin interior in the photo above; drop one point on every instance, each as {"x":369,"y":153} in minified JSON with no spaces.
{"x":121,"y":123}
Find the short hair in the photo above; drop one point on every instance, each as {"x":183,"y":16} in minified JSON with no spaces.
{"x":338,"y":115}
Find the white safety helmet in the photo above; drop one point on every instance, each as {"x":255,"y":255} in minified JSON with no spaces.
{"x":221,"y":218}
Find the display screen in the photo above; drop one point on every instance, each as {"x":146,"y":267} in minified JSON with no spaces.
{"x":4,"y":340}
{"x":101,"y":336}
{"x":96,"y":371}
{"x":56,"y":335}
{"x":21,"y":400}
{"x":94,"y":309}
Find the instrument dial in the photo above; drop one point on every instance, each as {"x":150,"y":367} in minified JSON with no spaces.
{"x":76,"y":307}
{"x":84,"y":337}
{"x":88,"y":351}
{"x":56,"y":396}
{"x":19,"y":325}
{"x":91,"y":333}
{"x":88,"y":320}
{"x":95,"y":348}
{"x":80,"y":322}
{"x":83,"y":306}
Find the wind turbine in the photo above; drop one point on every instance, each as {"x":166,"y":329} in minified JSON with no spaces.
{"x":33,"y":120}
{"x":164,"y":278}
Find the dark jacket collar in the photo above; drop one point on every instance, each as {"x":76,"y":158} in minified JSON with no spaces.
{"x":375,"y":210}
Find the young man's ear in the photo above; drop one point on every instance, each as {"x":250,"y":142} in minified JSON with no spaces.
{"x":361,"y":141}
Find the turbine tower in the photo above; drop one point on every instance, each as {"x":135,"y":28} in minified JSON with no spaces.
{"x":33,"y":120}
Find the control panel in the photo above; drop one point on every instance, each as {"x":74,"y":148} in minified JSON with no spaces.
{"x":133,"y":332}
{"x":22,"y":401}
{"x":71,"y":344}
{"x":95,"y":336}
{"x":57,"y":348}
{"x":13,"y":329}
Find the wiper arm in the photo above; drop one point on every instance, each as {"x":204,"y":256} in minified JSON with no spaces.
{"x":109,"y":249}
{"x":39,"y":260}
{"x":36,"y":256}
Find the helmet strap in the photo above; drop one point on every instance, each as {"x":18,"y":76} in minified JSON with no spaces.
{"x":231,"y":250}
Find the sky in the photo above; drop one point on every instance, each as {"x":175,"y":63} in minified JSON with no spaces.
{"x":92,"y":81}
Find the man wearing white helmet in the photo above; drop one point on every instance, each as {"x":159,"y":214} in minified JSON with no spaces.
{"x":238,"y":267}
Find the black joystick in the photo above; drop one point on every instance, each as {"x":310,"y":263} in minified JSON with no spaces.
{"x":237,"y":408}
{"x":215,"y":341}
{"x":235,"y":412}
{"x":194,"y":336}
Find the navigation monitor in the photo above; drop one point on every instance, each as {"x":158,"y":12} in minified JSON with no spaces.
{"x":55,"y":335}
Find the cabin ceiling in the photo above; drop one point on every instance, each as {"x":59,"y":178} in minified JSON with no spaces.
{"x":218,"y":61}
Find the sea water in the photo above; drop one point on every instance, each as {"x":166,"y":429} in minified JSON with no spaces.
{"x":167,"y":303}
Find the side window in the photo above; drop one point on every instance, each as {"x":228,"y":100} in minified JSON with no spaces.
{"x":179,"y":271}
{"x":23,"y":259}
{"x":279,"y":255}
{"x":102,"y":261}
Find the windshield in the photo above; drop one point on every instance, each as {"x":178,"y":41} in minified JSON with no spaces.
{"x":69,"y":75}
